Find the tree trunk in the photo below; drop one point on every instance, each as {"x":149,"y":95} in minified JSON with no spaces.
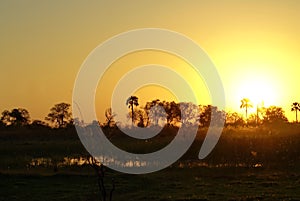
{"x":132,"y":114}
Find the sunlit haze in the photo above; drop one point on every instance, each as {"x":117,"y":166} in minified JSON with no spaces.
{"x":254,"y":45}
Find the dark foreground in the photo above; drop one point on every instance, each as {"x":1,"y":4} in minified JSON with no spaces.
{"x":247,"y":164}
{"x":170,"y":184}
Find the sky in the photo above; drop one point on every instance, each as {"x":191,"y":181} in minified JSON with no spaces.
{"x":255,"y":46}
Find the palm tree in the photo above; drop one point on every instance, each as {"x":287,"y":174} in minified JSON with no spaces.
{"x":246,"y":104}
{"x":132,"y":101}
{"x":296,"y":108}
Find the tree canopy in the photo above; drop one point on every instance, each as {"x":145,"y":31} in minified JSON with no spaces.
{"x":274,"y":114}
{"x":16,"y":117}
{"x":60,"y":115}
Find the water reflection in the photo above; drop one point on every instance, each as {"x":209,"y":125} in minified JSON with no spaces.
{"x":192,"y":164}
{"x":80,"y":161}
{"x":49,"y":162}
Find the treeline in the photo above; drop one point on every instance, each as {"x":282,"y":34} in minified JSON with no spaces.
{"x":60,"y":116}
{"x":153,"y":113}
{"x":158,"y":113}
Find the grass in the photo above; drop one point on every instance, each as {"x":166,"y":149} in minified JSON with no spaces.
{"x":169,"y":185}
{"x":228,"y":173}
{"x":37,"y":187}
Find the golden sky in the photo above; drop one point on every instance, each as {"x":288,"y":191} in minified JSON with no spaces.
{"x":255,"y":46}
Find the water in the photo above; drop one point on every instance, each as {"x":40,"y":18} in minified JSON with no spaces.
{"x":49,"y":162}
{"x":81,"y":161}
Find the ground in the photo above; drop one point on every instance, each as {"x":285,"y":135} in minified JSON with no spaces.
{"x":246,"y":164}
{"x":172,"y":184}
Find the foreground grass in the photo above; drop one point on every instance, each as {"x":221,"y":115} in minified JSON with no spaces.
{"x":172,"y":184}
{"x":275,"y":149}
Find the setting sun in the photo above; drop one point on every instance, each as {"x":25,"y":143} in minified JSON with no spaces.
{"x":258,"y":90}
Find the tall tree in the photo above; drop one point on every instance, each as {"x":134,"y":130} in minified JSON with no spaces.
{"x":246,"y":104}
{"x":60,"y":115}
{"x":296,"y":108}
{"x":131,"y":102}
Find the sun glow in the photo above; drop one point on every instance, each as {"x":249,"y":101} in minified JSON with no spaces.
{"x":258,"y":90}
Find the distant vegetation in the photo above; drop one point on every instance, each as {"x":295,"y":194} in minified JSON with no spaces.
{"x":267,"y":133}
{"x":157,"y":113}
{"x":264,"y":140}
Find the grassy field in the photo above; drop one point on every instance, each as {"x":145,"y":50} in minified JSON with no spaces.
{"x":170,"y":184}
{"x":247,"y":164}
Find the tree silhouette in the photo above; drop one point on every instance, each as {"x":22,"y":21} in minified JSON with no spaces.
{"x":110,"y":122}
{"x":60,"y":115}
{"x":5,"y":117}
{"x":155,"y":111}
{"x":296,"y":108}
{"x":246,"y":104}
{"x":16,"y":117}
{"x":173,"y":112}
{"x":131,"y":102}
{"x":252,"y":120}
{"x":274,"y":114}
{"x":140,"y":118}
{"x":211,"y":113}
{"x":190,"y":113}
{"x":234,"y":119}
{"x":20,"y":116}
